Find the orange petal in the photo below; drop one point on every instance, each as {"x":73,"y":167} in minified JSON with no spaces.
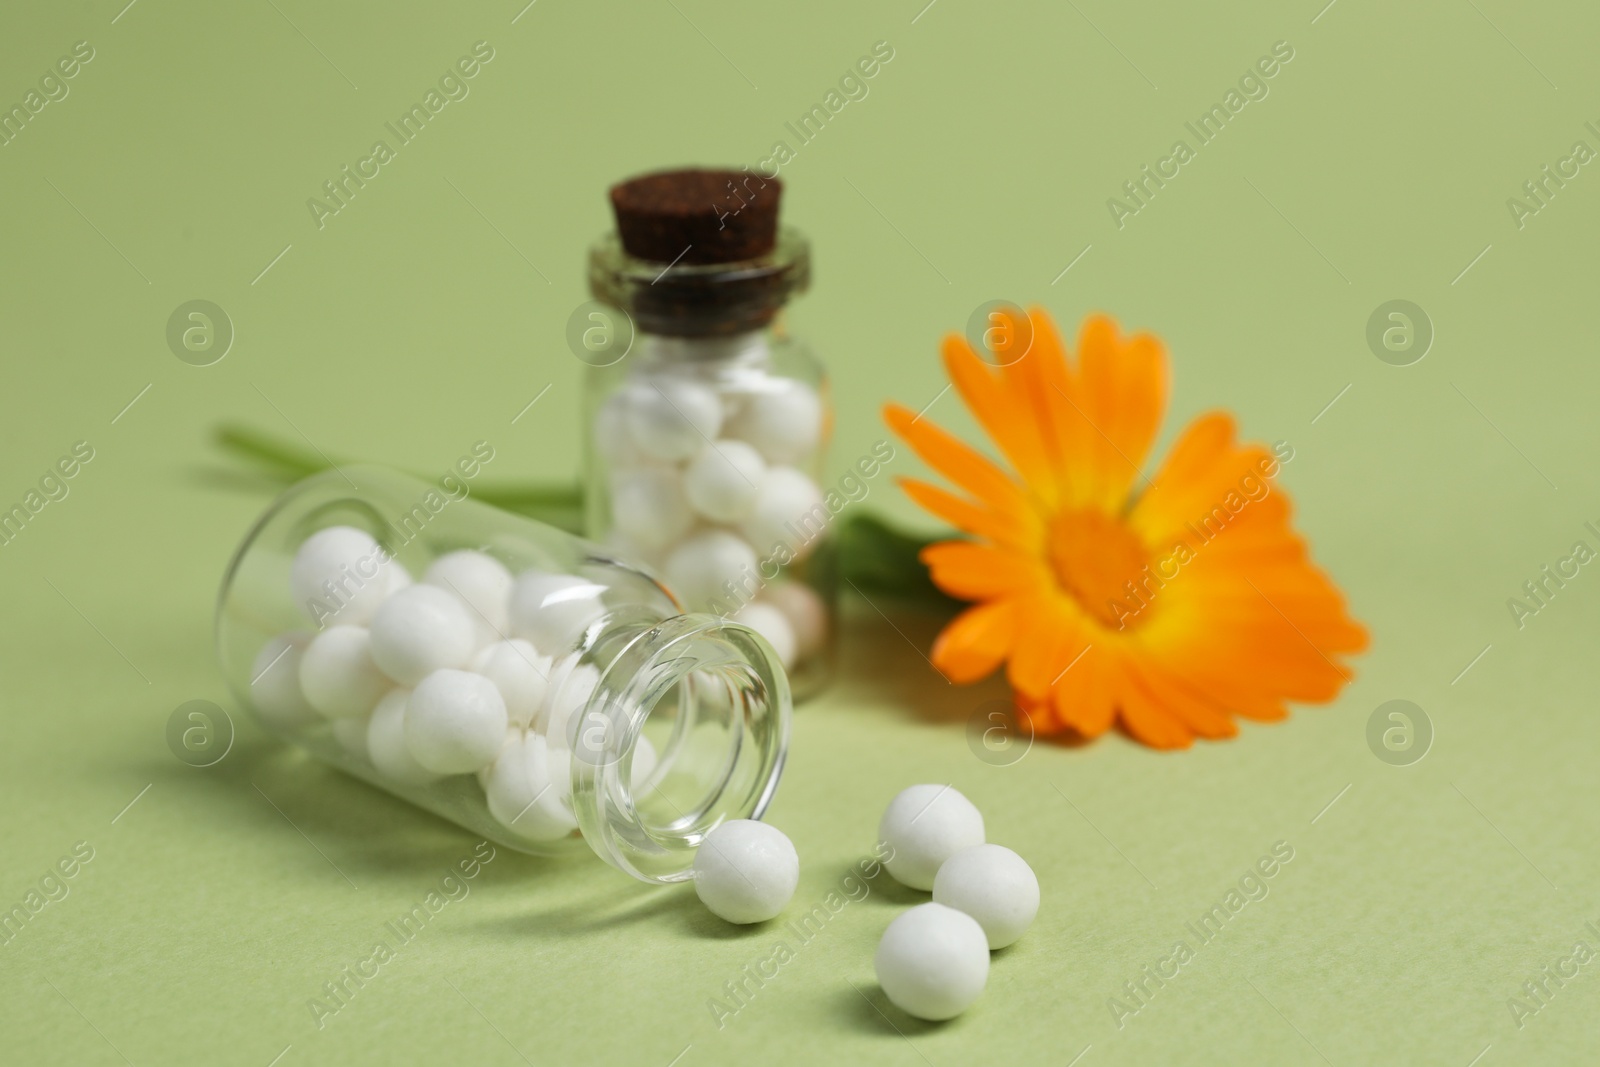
{"x":975,"y":642}
{"x":1008,"y":419}
{"x":960,"y":463}
{"x":1038,"y":717}
{"x":1203,"y":467}
{"x":971,"y":518}
{"x":1042,"y":381}
{"x":1124,"y":393}
{"x":1085,"y":696}
{"x":1045,"y":646}
{"x":971,"y":571}
{"x":1198,"y":713}
{"x":1149,"y":722}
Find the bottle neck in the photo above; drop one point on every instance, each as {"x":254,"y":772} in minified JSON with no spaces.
{"x":713,"y":702}
{"x":746,"y":348}
{"x":700,"y":300}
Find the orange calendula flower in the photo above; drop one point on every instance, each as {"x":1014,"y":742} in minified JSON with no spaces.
{"x":1171,"y":603}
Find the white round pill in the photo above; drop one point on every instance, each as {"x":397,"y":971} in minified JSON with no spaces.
{"x":521,"y":675}
{"x":484,"y":586}
{"x":572,"y":683}
{"x":337,"y":674}
{"x":275,"y":682}
{"x":352,"y":735}
{"x":513,"y":734}
{"x":995,"y":886}
{"x":671,"y":419}
{"x":746,"y":871}
{"x":926,"y":825}
{"x":933,"y":962}
{"x":643,"y":765}
{"x":340,"y":574}
{"x":526,"y":787}
{"x":697,"y":569}
{"x":455,"y":721}
{"x":612,"y":441}
{"x":386,"y":741}
{"x":790,"y":512}
{"x":419,"y":630}
{"x":770,"y":623}
{"x":783,"y":420}
{"x":553,"y":610}
{"x":649,"y":507}
{"x":722,"y":481}
{"x":807,"y":614}
{"x":635,"y":783}
{"x":399,"y":577}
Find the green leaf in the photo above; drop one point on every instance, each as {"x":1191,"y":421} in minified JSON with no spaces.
{"x":878,"y":557}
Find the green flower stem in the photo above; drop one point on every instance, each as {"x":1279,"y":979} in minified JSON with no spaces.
{"x":875,"y":556}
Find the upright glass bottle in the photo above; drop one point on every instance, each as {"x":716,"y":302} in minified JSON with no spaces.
{"x":537,"y":689}
{"x":707,"y":422}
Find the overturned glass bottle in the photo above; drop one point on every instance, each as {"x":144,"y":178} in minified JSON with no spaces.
{"x":535,"y":688}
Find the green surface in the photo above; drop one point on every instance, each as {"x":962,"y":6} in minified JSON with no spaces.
{"x":430,"y":311}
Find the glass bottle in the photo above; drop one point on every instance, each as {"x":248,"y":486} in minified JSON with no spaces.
{"x":707,"y":425}
{"x":537,"y":689}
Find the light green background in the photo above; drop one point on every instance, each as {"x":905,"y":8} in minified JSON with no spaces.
{"x":430,"y":311}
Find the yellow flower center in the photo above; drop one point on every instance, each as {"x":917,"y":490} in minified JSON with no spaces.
{"x":1095,"y":556}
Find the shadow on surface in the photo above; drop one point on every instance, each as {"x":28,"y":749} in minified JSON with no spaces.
{"x":866,"y":1010}
{"x":357,"y":832}
{"x":883,"y":649}
{"x":883,"y":658}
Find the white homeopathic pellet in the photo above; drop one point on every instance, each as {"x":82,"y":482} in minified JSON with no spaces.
{"x":995,"y":886}
{"x":746,"y":871}
{"x":783,"y":420}
{"x":723,"y":480}
{"x":670,"y":419}
{"x":339,"y":574}
{"x":337,"y":674}
{"x":770,"y":623}
{"x":789,"y":511}
{"x":419,"y":630}
{"x":807,"y":614}
{"x":484,"y":586}
{"x":612,"y":440}
{"x":514,"y":734}
{"x":932,"y":962}
{"x":634,"y":785}
{"x":697,"y":568}
{"x":572,"y":683}
{"x":352,"y":735}
{"x":275,"y":682}
{"x":526,"y":788}
{"x":386,"y":741}
{"x":553,"y":610}
{"x":649,"y":507}
{"x":455,"y":721}
{"x":926,"y":825}
{"x":521,"y":675}
{"x":399,"y":577}
{"x":642,"y":764}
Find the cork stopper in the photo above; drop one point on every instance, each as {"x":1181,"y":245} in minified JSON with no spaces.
{"x":697,"y":216}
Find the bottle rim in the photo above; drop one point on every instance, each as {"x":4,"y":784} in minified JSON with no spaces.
{"x":700,"y":299}
{"x":702,"y":671}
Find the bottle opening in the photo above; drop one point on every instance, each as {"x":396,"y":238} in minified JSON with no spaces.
{"x":686,"y":729}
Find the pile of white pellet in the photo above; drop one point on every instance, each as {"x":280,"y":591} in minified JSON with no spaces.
{"x":468,"y":671}
{"x":933,"y":960}
{"x":706,"y":485}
